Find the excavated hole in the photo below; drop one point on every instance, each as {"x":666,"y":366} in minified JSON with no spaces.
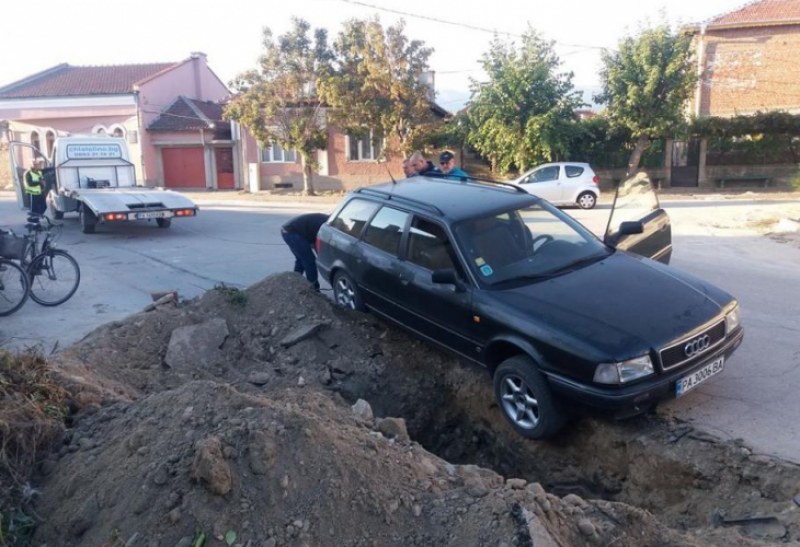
{"x":687,"y":479}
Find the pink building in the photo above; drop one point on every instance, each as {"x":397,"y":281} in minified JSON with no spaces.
{"x":131,"y":101}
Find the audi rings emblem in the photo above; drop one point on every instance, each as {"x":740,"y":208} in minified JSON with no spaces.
{"x":698,"y":345}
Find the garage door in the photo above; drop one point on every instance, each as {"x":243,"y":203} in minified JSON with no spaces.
{"x":184,"y":167}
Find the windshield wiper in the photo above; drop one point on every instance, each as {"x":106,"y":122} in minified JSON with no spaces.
{"x":571,"y":266}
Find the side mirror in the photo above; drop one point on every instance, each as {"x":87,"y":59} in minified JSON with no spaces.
{"x":447,"y":277}
{"x":631,"y":227}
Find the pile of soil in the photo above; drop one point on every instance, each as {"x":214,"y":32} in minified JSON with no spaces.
{"x":268,"y":417}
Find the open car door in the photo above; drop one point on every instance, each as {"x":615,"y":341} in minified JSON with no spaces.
{"x":637,"y":223}
{"x":22,"y":156}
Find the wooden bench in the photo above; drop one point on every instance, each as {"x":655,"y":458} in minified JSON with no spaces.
{"x":745,"y":179}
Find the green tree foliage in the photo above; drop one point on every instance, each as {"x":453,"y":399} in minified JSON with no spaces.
{"x":378,"y":84}
{"x":524,"y":113}
{"x":278,"y":103}
{"x":646,"y":85}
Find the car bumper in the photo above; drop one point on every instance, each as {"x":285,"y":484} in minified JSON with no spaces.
{"x":637,"y":398}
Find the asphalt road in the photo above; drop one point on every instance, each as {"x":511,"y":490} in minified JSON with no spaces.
{"x":237,"y":243}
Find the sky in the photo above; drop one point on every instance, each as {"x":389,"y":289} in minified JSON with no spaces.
{"x":108,"y":32}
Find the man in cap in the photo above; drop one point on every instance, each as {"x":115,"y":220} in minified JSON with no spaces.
{"x":447,"y":164}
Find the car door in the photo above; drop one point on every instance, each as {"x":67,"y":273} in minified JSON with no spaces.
{"x":379,"y":271}
{"x":637,"y":223}
{"x":441,"y":312}
{"x":544,"y":182}
{"x":22,"y":156}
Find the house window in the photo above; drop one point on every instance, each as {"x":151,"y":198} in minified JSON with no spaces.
{"x":35,"y":142}
{"x":364,"y":148}
{"x":275,"y":154}
{"x":50,"y":137}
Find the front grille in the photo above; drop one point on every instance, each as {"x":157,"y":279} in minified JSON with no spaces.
{"x":675,"y":355}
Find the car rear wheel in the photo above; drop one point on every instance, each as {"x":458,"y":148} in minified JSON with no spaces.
{"x":586,"y":200}
{"x":88,"y":220}
{"x":164,"y":222}
{"x":345,"y":292}
{"x":525,"y":399}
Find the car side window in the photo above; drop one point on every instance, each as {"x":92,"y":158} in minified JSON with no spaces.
{"x":429,"y":246}
{"x":352,"y":218}
{"x":573,"y":171}
{"x":545,"y":174}
{"x":386,"y":229}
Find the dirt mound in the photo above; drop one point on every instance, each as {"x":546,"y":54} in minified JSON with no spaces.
{"x":239,"y":418}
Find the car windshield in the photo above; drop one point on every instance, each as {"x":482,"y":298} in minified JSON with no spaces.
{"x":527,"y":244}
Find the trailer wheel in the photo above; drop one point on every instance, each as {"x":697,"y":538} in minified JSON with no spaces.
{"x":88,"y":220}
{"x":164,"y":222}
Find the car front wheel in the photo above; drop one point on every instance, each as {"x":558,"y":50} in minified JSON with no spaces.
{"x":345,"y":292}
{"x":525,"y":399}
{"x":587,"y":200}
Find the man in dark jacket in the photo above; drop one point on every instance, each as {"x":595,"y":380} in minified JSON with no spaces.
{"x":300,"y":234}
{"x":422,"y":166}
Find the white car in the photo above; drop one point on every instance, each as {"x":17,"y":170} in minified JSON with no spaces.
{"x":563,"y":183}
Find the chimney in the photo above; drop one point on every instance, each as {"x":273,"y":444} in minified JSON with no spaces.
{"x":199,"y":62}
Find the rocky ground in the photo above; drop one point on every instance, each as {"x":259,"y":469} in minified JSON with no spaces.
{"x":267,"y":417}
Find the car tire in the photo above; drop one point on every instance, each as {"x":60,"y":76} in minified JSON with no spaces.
{"x":525,"y":399}
{"x":345,"y":292}
{"x":164,"y":222}
{"x":586,"y":200}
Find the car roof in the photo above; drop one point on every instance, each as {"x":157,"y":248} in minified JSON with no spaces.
{"x":450,"y":199}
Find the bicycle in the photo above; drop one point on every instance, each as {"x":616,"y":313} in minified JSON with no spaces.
{"x":14,"y":286}
{"x":53,"y":274}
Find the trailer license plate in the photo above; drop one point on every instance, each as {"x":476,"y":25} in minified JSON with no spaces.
{"x":149,"y":214}
{"x":696,"y":378}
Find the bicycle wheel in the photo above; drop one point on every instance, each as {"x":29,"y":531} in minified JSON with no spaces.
{"x":54,"y":277}
{"x":13,"y":287}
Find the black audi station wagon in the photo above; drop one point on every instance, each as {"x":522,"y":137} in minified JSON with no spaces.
{"x":560,"y":319}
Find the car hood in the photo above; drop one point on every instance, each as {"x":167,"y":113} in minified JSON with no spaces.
{"x":611,"y":308}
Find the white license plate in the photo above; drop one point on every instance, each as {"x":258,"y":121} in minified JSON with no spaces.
{"x":696,"y":378}
{"x":149,"y":214}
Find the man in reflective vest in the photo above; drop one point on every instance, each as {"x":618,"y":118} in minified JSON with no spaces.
{"x":34,"y":186}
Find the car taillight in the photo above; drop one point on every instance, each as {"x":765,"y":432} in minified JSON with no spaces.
{"x":316,"y":244}
{"x":596,"y":179}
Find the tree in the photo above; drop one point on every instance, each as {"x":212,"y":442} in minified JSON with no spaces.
{"x":525,"y":113}
{"x":379,"y":84}
{"x":646,"y":85}
{"x":278,"y":102}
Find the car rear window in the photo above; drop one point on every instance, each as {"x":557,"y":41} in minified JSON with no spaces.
{"x":352,"y":218}
{"x":573,"y":171}
{"x":386,"y":230}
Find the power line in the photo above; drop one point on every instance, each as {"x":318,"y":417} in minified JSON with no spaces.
{"x":457,"y":24}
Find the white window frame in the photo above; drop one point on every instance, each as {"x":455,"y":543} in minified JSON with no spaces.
{"x":375,"y":151}
{"x":266,"y":155}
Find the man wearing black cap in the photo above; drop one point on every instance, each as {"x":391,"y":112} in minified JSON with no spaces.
{"x":300,"y":234}
{"x":447,"y":164}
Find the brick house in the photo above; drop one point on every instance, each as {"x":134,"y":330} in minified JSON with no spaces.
{"x":746,"y":63}
{"x":166,"y":111}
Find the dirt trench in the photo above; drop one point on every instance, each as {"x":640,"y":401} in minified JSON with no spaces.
{"x":239,"y":412}
{"x":689,"y":480}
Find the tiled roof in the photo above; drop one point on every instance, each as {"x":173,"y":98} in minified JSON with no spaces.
{"x":65,"y":80}
{"x":188,"y":115}
{"x":759,"y":13}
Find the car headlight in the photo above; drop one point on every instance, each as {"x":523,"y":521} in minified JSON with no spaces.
{"x":733,"y":319}
{"x":624,"y":371}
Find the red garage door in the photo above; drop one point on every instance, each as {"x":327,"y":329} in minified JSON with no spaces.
{"x":184,"y":167}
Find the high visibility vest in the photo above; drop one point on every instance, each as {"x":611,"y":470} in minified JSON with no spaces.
{"x":34,"y":189}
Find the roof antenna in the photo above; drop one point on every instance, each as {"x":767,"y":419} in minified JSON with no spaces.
{"x":390,"y":173}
